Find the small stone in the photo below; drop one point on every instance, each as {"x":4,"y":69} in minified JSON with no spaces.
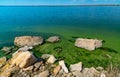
{"x":53,"y":39}
{"x":2,"y":61}
{"x":61,"y":72}
{"x":38,"y":64}
{"x":69,"y":74}
{"x":51,"y":59}
{"x":44,"y":74}
{"x":36,"y":69}
{"x":35,"y":75}
{"x":8,"y":52}
{"x":62,"y":64}
{"x":25,"y":48}
{"x":28,"y":76}
{"x":42,"y":68}
{"x":102,"y":75}
{"x":56,"y":69}
{"x":90,"y":72}
{"x":119,"y":75}
{"x":30,"y":68}
{"x":6,"y":49}
{"x":77,"y":74}
{"x":76,"y":67}
{"x":99,"y":68}
{"x":45,"y":56}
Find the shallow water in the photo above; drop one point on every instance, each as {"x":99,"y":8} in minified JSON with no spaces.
{"x":100,"y":22}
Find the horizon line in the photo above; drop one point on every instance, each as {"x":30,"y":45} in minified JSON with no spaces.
{"x":69,"y":5}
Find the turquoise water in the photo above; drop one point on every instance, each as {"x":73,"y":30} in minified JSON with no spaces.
{"x":101,"y":22}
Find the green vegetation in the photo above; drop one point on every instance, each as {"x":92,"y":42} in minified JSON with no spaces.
{"x":65,"y":50}
{"x":8,"y":54}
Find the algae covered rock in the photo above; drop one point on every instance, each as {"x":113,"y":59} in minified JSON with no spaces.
{"x":53,"y":39}
{"x":6,"y":49}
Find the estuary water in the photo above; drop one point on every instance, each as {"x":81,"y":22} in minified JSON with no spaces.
{"x":102,"y":22}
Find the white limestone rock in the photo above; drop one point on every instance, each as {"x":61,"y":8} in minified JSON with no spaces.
{"x":45,"y":56}
{"x":62,"y":64}
{"x":51,"y":59}
{"x":76,"y":67}
{"x":25,"y":48}
{"x":91,"y":72}
{"x":28,"y":41}
{"x":89,"y":44}
{"x":23,"y":59}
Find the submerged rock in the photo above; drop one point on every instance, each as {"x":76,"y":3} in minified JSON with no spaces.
{"x":6,"y":49}
{"x":23,"y":59}
{"x":53,"y":39}
{"x":89,"y":44}
{"x":28,"y":41}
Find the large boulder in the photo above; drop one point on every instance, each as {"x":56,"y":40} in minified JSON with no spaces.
{"x":28,"y":41}
{"x":53,"y":39}
{"x":89,"y":44}
{"x":23,"y":59}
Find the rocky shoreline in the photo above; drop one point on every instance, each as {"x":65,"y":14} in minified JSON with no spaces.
{"x":25,"y":64}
